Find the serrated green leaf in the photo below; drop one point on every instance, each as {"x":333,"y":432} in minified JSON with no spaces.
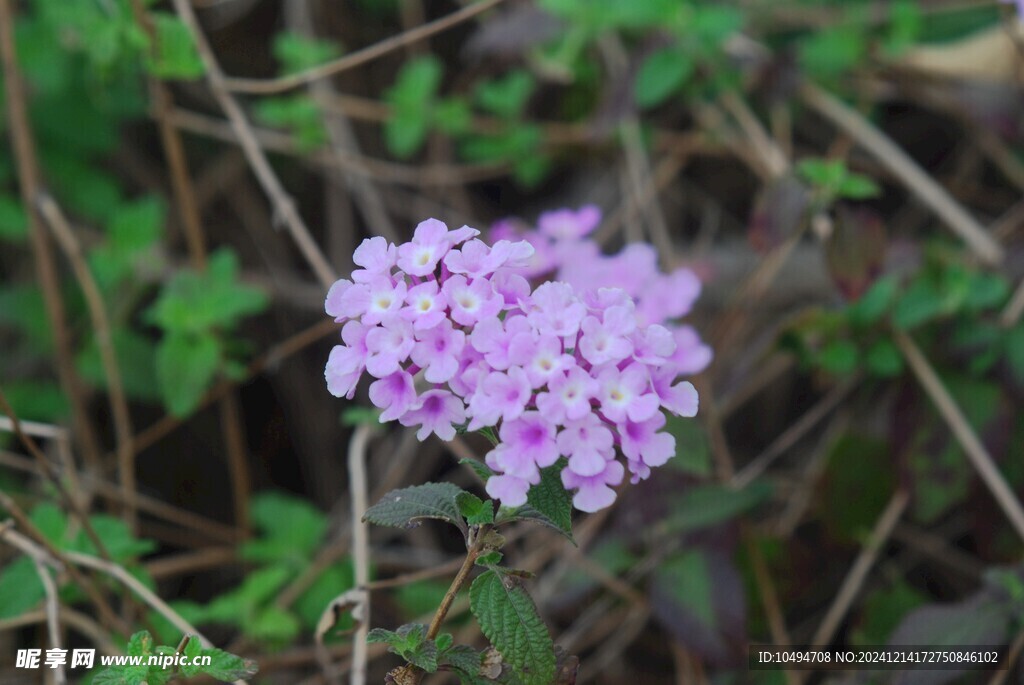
{"x":406,"y":507}
{"x":465,"y":660}
{"x":474,"y":510}
{"x":224,"y":666}
{"x":185,"y":367}
{"x":409,"y":642}
{"x":509,"y":619}
{"x":548,"y":502}
{"x":489,"y":559}
{"x":479,"y":468}
{"x":661,"y":74}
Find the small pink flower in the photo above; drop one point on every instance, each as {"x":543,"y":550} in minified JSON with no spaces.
{"x":653,"y":345}
{"x":508,"y":490}
{"x":680,"y":399}
{"x":532,"y":437}
{"x":568,"y":396}
{"x":499,"y":396}
{"x":438,"y":412}
{"x":588,"y":443}
{"x":347,"y":362}
{"x":540,"y":356}
{"x":425,"y":306}
{"x":382,"y":298}
{"x":492,"y":337}
{"x":627,"y":393}
{"x":394,"y":394}
{"x":692,"y":355}
{"x":336,"y":305}
{"x":565,"y":224}
{"x":437,"y":351}
{"x":642,"y":442}
{"x":389,"y":346}
{"x":471,"y":302}
{"x":593,"y":492}
{"x":554,"y":309}
{"x":608,"y":340}
{"x":377,"y":257}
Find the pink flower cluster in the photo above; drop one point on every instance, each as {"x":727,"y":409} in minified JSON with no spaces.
{"x":455,"y":336}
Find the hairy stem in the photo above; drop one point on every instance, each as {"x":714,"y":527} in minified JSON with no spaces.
{"x":475,"y":548}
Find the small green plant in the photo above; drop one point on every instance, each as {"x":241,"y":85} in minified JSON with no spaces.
{"x":159,"y":664}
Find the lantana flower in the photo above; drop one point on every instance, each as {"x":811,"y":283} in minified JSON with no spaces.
{"x":582,"y":366}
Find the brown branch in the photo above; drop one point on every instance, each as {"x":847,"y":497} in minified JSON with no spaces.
{"x":105,"y":343}
{"x":30,"y":185}
{"x":354,"y":59}
{"x":283,"y":204}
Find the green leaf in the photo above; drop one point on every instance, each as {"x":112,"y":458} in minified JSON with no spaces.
{"x":884,"y":359}
{"x":452,"y":116}
{"x":224,"y":666}
{"x":185,"y":366}
{"x":137,"y":225}
{"x":117,"y":537}
{"x":489,"y":559}
{"x":839,"y":357}
{"x":20,"y":587}
{"x":921,"y":302}
{"x":828,"y":53}
{"x":177,"y":57}
{"x":273,"y":625}
{"x":509,"y":619}
{"x":874,"y":303}
{"x":297,"y":53}
{"x":506,"y":96}
{"x":548,"y":503}
{"x":857,"y":187}
{"x":13,"y":220}
{"x":290,"y":530}
{"x":406,"y":507}
{"x":687,"y":575}
{"x":481,"y":469}
{"x":358,"y":416}
{"x":661,"y":74}
{"x":405,"y":133}
{"x":707,"y":505}
{"x":411,"y":98}
{"x":213,"y":300}
{"x":693,"y":454}
{"x":463,"y":659}
{"x":136,"y":359}
{"x":475,"y":510}
{"x":409,"y":642}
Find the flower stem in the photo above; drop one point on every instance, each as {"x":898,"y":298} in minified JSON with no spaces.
{"x":460,"y":579}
